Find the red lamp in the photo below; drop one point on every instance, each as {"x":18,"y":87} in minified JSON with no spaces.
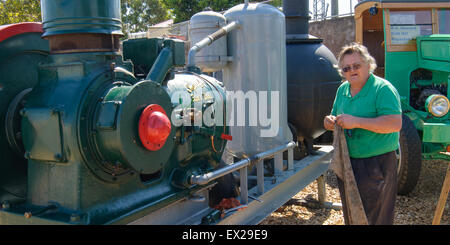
{"x":154,"y":127}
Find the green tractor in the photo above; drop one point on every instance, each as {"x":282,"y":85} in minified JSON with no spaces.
{"x":411,"y":42}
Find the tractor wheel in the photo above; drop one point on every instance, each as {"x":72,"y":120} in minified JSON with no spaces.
{"x":410,"y":157}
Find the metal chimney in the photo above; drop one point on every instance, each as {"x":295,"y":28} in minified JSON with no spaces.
{"x":297,"y":17}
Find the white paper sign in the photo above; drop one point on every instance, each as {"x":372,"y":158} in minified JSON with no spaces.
{"x":402,"y":19}
{"x":404,"y":34}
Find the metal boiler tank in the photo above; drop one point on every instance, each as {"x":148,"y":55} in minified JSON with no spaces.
{"x":270,"y":52}
{"x":258,"y":73}
{"x":312,"y":77}
{"x":215,"y":57}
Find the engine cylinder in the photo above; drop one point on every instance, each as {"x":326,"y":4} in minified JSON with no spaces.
{"x":82,"y":25}
{"x":81,"y":16}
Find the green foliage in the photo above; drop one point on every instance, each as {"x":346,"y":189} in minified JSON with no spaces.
{"x":219,"y":5}
{"x":138,"y":15}
{"x":184,"y":9}
{"x":276,"y":3}
{"x":15,"y":11}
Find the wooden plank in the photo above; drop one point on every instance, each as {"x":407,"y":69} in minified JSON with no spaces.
{"x":363,"y":7}
{"x":435,"y":21}
{"x":359,"y":30}
{"x":442,"y":199}
{"x":321,"y":190}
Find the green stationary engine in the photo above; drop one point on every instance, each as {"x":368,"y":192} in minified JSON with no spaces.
{"x":87,"y":137}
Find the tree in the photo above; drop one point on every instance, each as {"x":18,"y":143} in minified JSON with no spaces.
{"x":15,"y":11}
{"x":219,"y":5}
{"x":138,"y":15}
{"x":276,"y":3}
{"x":184,"y":9}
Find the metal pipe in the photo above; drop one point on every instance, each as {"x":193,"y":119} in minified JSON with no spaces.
{"x":244,"y":185}
{"x":260,"y":176}
{"x":208,"y":40}
{"x":271,"y":152}
{"x":278,"y":163}
{"x":206,"y":178}
{"x":162,"y":65}
{"x":351,"y":7}
{"x":290,"y":159}
{"x":334,"y":7}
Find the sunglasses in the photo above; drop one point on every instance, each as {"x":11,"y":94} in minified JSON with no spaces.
{"x":353,"y":67}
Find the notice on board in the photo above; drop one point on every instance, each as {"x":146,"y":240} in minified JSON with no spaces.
{"x":403,"y":19}
{"x":404,"y":34}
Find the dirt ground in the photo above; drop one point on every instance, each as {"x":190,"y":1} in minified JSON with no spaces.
{"x":416,"y":208}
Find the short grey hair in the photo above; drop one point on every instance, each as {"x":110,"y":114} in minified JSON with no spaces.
{"x":356,"y":48}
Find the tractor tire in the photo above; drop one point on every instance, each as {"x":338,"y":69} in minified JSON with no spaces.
{"x":410,"y":157}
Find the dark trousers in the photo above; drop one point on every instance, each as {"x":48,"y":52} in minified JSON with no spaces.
{"x":376,"y":178}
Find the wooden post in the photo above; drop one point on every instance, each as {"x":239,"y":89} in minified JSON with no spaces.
{"x":321,"y":190}
{"x":442,"y":199}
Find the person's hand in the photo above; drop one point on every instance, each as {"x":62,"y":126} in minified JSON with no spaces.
{"x":329,"y":121}
{"x":346,"y":121}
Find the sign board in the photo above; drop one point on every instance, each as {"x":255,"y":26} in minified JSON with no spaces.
{"x":404,"y":34}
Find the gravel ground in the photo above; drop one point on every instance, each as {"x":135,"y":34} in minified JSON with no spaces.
{"x":416,"y":208}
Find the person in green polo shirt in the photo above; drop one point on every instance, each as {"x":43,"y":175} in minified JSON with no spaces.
{"x":368,"y":108}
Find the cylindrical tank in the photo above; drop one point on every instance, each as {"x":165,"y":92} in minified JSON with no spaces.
{"x":77,"y":26}
{"x":214,"y":57}
{"x":312,"y":78}
{"x":81,"y":16}
{"x":257,"y":74}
